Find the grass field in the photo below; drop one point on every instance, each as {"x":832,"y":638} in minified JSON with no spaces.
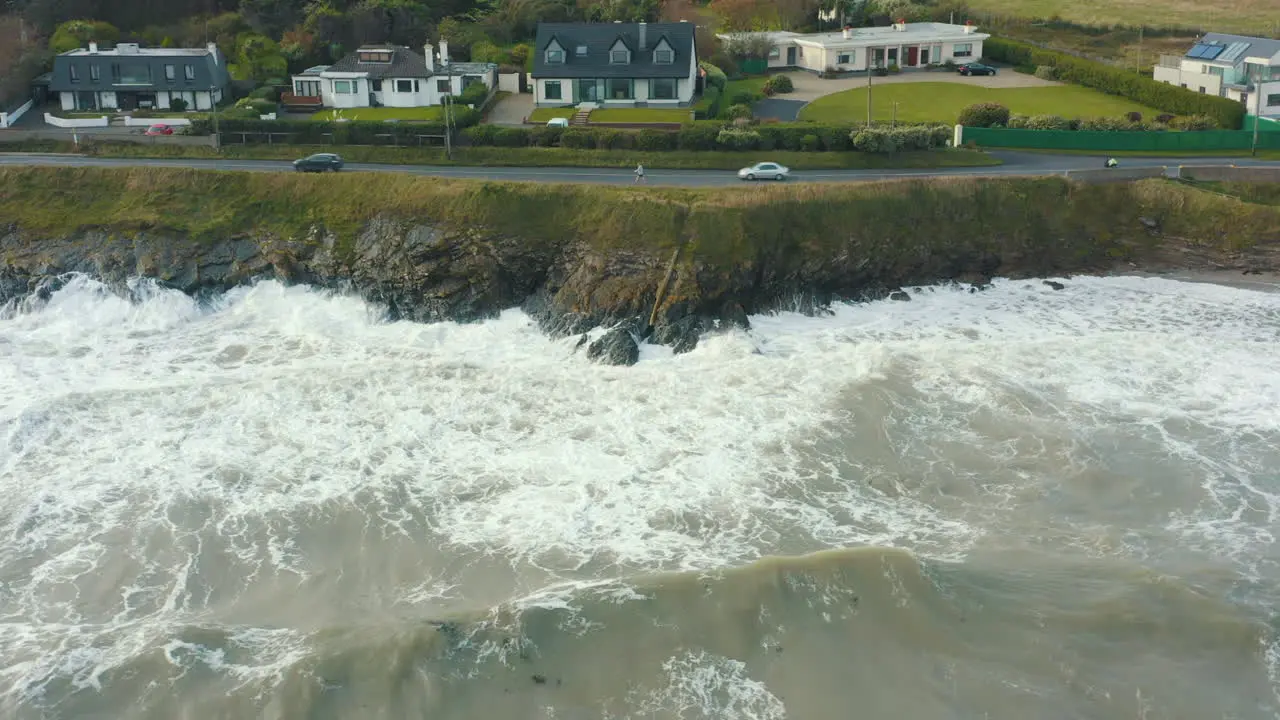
{"x":421,"y":114}
{"x":1250,"y":17}
{"x":942,"y":102}
{"x":1122,"y":46}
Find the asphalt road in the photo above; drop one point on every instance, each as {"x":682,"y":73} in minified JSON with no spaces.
{"x":1014,"y":164}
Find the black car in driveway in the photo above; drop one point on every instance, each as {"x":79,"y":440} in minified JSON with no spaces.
{"x":319,"y":162}
{"x":976,"y":69}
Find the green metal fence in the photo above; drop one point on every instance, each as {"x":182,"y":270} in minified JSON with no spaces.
{"x":754,"y":67}
{"x":1266,"y":125}
{"x":1208,"y":140}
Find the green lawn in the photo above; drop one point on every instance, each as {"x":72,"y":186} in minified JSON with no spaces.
{"x":382,"y":113}
{"x":641,"y":115}
{"x":942,"y":102}
{"x":541,"y":115}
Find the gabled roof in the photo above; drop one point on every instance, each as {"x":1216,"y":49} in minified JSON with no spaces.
{"x":209,"y":68}
{"x":1253,"y":47}
{"x":405,"y":63}
{"x":599,"y":38}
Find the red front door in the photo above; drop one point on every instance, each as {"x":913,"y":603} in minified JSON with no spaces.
{"x":913,"y":56}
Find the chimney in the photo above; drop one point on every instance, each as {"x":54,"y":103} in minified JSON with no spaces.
{"x":444,"y":52}
{"x":429,"y":54}
{"x":643,"y":34}
{"x":847,"y":32}
{"x":93,"y":47}
{"x":213,"y":51}
{"x":968,"y":27}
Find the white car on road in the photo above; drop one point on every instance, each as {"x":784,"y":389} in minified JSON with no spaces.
{"x":764,"y":171}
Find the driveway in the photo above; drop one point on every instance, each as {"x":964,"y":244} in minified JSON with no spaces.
{"x":809,"y":87}
{"x":511,"y":110}
{"x":778,"y":109}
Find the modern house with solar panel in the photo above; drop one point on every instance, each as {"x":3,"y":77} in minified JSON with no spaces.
{"x":1241,"y":68}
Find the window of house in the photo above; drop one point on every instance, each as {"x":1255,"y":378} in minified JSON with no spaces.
{"x":581,"y":51}
{"x":618,"y":89}
{"x":344,"y":87}
{"x":1201,"y":88}
{"x":963,"y":50}
{"x":189,"y":72}
{"x":555,"y":57}
{"x":375,"y":85}
{"x":843,"y":59}
{"x":170,"y":73}
{"x":663,"y":88}
{"x":75,"y":73}
{"x":551,"y":89}
{"x":618,"y":57}
{"x":135,"y":74}
{"x":775,"y":53}
{"x":1273,"y":100}
{"x":95,"y":73}
{"x":404,"y":86}
{"x":375,"y":57}
{"x":115,"y":72}
{"x":664,"y":57}
{"x":442,"y":87}
{"x":1215,"y":71}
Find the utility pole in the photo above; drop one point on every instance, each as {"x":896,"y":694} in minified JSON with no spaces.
{"x":1257,"y":119}
{"x":1138,"y":69}
{"x":868,"y":87}
{"x":213,"y":106}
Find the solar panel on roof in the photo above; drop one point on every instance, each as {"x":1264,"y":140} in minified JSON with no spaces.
{"x":1212,"y":52}
{"x":1196,"y":50}
{"x":1233,"y":51}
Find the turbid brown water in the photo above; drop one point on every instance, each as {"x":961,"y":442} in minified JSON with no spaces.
{"x":1016,"y":504}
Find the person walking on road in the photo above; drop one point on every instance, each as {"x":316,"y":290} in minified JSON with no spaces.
{"x":639,"y":173}
{"x":1112,"y":162}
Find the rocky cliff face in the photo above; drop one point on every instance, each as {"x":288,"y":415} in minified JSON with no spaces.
{"x":717,"y":265}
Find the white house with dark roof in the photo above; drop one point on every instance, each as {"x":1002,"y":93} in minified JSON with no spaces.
{"x":388,"y":76}
{"x":1230,"y":66}
{"x":857,"y":49}
{"x":129,"y":76}
{"x":615,"y":64}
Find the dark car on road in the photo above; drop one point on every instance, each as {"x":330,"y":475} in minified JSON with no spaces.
{"x":976,"y":69}
{"x":319,"y":162}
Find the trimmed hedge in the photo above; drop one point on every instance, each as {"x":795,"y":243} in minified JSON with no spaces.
{"x":310,"y":132}
{"x":1227,"y":114}
{"x":715,"y":76}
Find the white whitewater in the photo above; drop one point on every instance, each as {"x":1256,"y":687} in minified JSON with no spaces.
{"x":269,"y":463}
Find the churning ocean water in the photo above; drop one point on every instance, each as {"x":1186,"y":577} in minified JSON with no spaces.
{"x":1015,"y":504}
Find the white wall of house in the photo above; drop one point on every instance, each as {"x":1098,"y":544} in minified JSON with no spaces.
{"x":405,"y":92}
{"x":818,"y":57}
{"x":641,"y":91}
{"x":357,"y":85}
{"x":67,"y":100}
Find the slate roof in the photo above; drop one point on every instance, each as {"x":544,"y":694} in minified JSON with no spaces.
{"x":405,"y":63}
{"x":598,"y":38}
{"x":210,"y":70}
{"x":1258,"y":47}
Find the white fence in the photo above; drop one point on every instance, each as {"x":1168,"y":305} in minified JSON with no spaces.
{"x":8,"y":119}
{"x":56,"y":121}
{"x":509,"y":82}
{"x":148,"y":122}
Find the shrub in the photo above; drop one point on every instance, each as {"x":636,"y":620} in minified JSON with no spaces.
{"x":893,"y":68}
{"x":872,"y":140}
{"x":741,"y":97}
{"x":578,"y":138}
{"x":715,"y":76}
{"x":655,"y":140}
{"x":1019,"y":122}
{"x":1193,"y":123}
{"x":473,"y":94}
{"x":810,"y":143}
{"x":949,"y":65}
{"x":887,"y":140}
{"x":266,"y":92}
{"x":732,"y":139}
{"x":511,"y":137}
{"x":1048,"y":122}
{"x":711,"y":103}
{"x":778,"y":84}
{"x":178,"y":105}
{"x":1134,"y":116}
{"x":1046,"y":72}
{"x":1164,"y":118}
{"x":1119,"y":81}
{"x":481,"y":134}
{"x":1105,"y":124}
{"x":543,"y":136}
{"x":737,"y":112}
{"x":698,"y":136}
{"x":984,"y":115}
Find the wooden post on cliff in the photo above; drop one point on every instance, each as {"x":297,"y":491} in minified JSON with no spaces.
{"x":868,"y":87}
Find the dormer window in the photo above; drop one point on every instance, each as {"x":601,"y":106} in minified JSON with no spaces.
{"x":555,"y":57}
{"x":619,"y":57}
{"x":663,"y":57}
{"x":374,"y":56}
{"x":581,"y":51}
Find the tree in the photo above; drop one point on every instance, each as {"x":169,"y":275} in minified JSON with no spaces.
{"x":271,"y":17}
{"x":75,"y":34}
{"x":258,"y":58}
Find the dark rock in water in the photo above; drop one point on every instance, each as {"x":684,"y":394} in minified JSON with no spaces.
{"x":616,"y":347}
{"x":735,"y":316}
{"x":1054,"y":285}
{"x":682,"y":334}
{"x":581,"y":341}
{"x":900,"y":296}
